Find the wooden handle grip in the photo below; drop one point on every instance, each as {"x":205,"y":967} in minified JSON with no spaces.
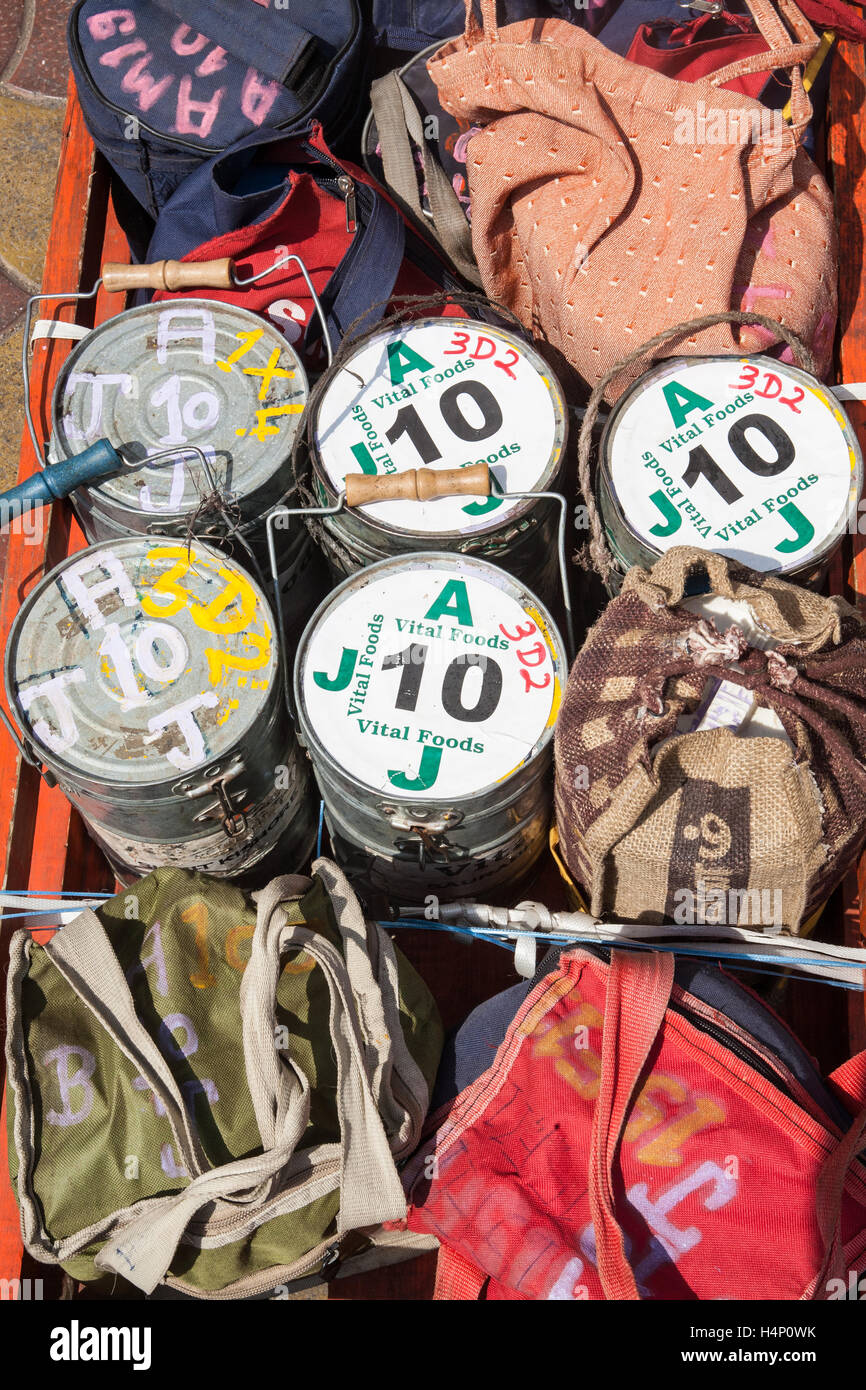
{"x":169,"y":275}
{"x":417,"y":485}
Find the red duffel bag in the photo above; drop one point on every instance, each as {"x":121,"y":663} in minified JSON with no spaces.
{"x":632,"y":1140}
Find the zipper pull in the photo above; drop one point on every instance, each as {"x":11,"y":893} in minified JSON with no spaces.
{"x":347,"y":188}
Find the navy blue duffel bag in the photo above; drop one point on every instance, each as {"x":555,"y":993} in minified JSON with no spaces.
{"x":166,"y":84}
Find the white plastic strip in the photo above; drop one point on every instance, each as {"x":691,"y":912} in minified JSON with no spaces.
{"x":800,"y":953}
{"x":53,"y":328}
{"x":33,"y":911}
{"x":526,"y":956}
{"x":850,"y":391}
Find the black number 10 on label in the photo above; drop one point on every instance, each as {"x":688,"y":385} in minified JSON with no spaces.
{"x":411,"y":663}
{"x":703,"y":465}
{"x":409,"y":422}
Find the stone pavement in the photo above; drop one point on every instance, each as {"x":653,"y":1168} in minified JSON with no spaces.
{"x":34,"y":71}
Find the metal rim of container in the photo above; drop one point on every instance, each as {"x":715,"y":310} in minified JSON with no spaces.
{"x":341,"y":505}
{"x":78,"y":296}
{"x":119,"y":511}
{"x":52,"y":764}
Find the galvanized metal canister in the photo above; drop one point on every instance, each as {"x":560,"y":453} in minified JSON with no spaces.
{"x":145,"y":675}
{"x":444,"y":393}
{"x":192,"y":372}
{"x":426,"y":689}
{"x":745,"y":456}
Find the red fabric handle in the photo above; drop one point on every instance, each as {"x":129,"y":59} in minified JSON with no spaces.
{"x":833,"y":14}
{"x":488,"y":28}
{"x":456,"y":1277}
{"x":831,"y":1190}
{"x":850,"y":1081}
{"x":636,"y":1000}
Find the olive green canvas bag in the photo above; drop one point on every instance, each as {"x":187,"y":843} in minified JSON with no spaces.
{"x":215,"y":1091}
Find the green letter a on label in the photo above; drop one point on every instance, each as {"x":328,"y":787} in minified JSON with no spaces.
{"x":681,"y":402}
{"x":453,"y":602}
{"x":402,"y":360}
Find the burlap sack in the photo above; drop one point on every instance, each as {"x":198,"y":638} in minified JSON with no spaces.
{"x":652,"y":820}
{"x":610,"y":202}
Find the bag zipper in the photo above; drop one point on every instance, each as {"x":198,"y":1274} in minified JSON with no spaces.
{"x":422,"y":256}
{"x":200,"y":147}
{"x":732,"y":1043}
{"x":347,"y":188}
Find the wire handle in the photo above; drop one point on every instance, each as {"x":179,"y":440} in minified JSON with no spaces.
{"x":280,"y":517}
{"x":26,"y":750}
{"x":39,"y":448}
{"x":219,"y":274}
{"x":317,"y":303}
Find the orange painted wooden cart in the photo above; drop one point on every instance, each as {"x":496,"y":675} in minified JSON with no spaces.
{"x":46,"y":846}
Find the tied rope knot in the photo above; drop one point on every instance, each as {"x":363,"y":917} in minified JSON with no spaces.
{"x":781,"y":673}
{"x":704,"y":647}
{"x":707,"y":646}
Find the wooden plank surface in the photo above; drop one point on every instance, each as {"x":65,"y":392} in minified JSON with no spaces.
{"x":77,"y":204}
{"x":846,"y":171}
{"x":45,"y":842}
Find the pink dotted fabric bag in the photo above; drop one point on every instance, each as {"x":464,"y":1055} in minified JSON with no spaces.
{"x":610,"y":202}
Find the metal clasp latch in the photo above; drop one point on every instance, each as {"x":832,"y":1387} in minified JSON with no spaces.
{"x":429,"y":829}
{"x":223,"y":809}
{"x":705,"y":6}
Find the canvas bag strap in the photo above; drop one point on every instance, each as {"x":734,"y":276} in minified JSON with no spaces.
{"x":270,"y":43}
{"x":636,"y":999}
{"x":370,"y":1188}
{"x":377,"y":998}
{"x":457,"y":1278}
{"x":399,"y":126}
{"x":487,"y":29}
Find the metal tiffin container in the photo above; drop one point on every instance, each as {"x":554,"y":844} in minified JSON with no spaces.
{"x":746,"y":456}
{"x":426,"y":690}
{"x":192,"y":372}
{"x":144,"y":675}
{"x":445,"y":393}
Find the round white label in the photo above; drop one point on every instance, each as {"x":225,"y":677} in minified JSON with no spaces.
{"x":443,"y":393}
{"x":744,"y":456}
{"x":430,"y":683}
